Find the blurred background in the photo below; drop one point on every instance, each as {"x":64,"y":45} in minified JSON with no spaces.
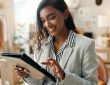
{"x":18,"y":19}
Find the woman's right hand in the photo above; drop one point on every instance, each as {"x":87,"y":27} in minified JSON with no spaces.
{"x":22,"y":72}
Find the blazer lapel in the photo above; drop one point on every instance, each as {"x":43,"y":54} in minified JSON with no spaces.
{"x":65,"y":57}
{"x":45,"y":55}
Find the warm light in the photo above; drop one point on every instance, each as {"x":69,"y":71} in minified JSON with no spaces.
{"x":25,"y":10}
{"x":3,"y":60}
{"x":103,"y":21}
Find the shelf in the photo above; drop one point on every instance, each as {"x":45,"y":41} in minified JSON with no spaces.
{"x":104,"y":53}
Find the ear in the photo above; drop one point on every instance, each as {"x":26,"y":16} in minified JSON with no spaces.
{"x":66,"y":14}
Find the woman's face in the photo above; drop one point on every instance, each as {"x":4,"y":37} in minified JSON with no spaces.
{"x":53,"y":20}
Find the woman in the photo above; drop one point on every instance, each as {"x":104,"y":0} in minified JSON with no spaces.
{"x":69,"y":56}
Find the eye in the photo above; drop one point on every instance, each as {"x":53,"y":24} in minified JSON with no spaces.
{"x":51,"y":17}
{"x":42,"y":20}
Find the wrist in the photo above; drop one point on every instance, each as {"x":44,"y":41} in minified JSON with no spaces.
{"x":63,"y":75}
{"x":59,"y":81}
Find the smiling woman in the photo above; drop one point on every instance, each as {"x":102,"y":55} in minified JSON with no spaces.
{"x":69,"y":56}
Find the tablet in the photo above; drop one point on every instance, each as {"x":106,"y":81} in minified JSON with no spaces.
{"x":23,"y":60}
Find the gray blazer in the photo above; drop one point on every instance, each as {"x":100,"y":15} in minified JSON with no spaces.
{"x":79,"y":62}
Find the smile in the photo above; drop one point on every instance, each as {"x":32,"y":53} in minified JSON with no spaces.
{"x":51,"y":30}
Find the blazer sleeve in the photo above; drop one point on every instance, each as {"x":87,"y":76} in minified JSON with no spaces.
{"x":89,"y":68}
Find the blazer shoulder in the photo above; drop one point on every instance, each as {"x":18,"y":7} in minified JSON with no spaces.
{"x":83,"y":40}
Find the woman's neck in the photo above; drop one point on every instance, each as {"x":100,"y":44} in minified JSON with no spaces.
{"x":59,"y":40}
{"x":62,"y":37}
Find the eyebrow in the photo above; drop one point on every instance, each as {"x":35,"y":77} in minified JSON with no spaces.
{"x":49,"y":14}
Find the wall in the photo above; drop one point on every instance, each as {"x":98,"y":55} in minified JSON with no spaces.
{"x":7,"y":13}
{"x":85,"y":15}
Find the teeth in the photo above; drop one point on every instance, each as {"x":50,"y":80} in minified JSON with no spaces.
{"x":52,"y":29}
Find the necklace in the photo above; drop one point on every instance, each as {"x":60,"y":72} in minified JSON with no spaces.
{"x":61,"y":42}
{"x":57,"y":45}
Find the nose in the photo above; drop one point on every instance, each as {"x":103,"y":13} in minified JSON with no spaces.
{"x":47,"y":24}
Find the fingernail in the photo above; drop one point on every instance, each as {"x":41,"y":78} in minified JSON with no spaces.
{"x":20,"y":68}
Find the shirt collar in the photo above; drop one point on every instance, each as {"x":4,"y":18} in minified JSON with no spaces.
{"x":70,"y":40}
{"x":49,"y":40}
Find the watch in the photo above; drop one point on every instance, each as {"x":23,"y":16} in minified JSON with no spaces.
{"x":73,"y":3}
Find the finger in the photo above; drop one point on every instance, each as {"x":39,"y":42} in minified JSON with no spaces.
{"x":53,"y":69}
{"x":57,"y":69}
{"x":25,"y":76}
{"x":26,"y":71}
{"x":20,"y":71}
{"x":48,"y":62}
{"x":23,"y":73}
{"x":19,"y":68}
{"x":51,"y":59}
{"x":51,"y":62}
{"x":45,"y":63}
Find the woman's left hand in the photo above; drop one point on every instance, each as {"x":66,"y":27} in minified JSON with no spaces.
{"x":55,"y":67}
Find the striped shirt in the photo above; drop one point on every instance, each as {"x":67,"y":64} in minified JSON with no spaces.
{"x":70,"y":41}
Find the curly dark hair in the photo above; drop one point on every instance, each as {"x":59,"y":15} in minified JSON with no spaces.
{"x":59,"y":5}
